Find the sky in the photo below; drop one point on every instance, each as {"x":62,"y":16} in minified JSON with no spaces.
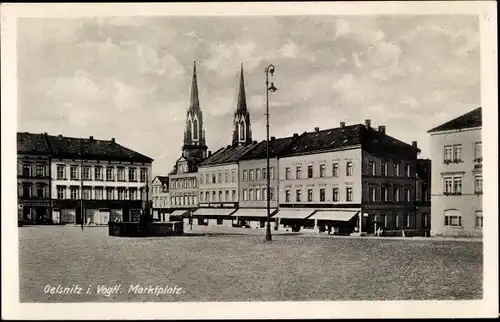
{"x":130,"y":77}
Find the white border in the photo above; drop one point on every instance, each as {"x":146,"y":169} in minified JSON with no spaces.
{"x":488,"y":307}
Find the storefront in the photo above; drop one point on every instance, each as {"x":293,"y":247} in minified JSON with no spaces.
{"x":295,"y":219}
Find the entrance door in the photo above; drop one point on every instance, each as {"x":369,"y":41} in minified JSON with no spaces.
{"x":26,"y":213}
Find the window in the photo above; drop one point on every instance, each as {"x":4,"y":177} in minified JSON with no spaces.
{"x":271,"y":173}
{"x":310,"y":171}
{"x":220,"y":177}
{"x":40,"y":170}
{"x":214,"y":196}
{"x":478,"y":187}
{"x":478,"y":151}
{"x":409,"y":221}
{"x":201,"y":179}
{"x":372,"y":192}
{"x":452,"y":218}
{"x":74,"y":192}
{"x":298,"y":172}
{"x":109,"y":174}
{"x":132,"y":174}
{"x":207,"y":196}
{"x":189,"y":183}
{"x":214,"y":178}
{"x":73,"y":172}
{"x":257,"y":174}
{"x":61,"y":192}
{"x":220,"y":195}
{"x":86,"y":173}
{"x":448,"y":153}
{"x":407,"y":194}
{"x":60,"y":172}
{"x":226,"y":177}
{"x":287,"y":195}
{"x":396,"y":194}
{"x":335,"y":170}
{"x":227,"y":196}
{"x":397,"y":169}
{"x":250,"y":192}
{"x":298,"y":195}
{"x":257,"y":194}
{"x":348,"y":194}
{"x":194,"y":182}
{"x":322,"y":168}
{"x":98,"y":173}
{"x":121,"y":194}
{"x":86,"y":193}
{"x":384,"y":168}
{"x":264,"y":174}
{"x":144,"y":174}
{"x":479,"y":219}
{"x":245,"y":194}
{"x":335,"y":194}
{"x":252,"y":178}
{"x":27,"y":190}
{"x":264,"y":194}
{"x":349,"y":168}
{"x":271,"y":194}
{"x":457,"y":153}
{"x":372,"y":167}
{"x":120,"y":173}
{"x":207,"y":178}
{"x":245,"y":175}
{"x":40,"y":190}
{"x":448,"y":185}
{"x":408,"y":170}
{"x":457,"y":185}
{"x":426,"y":220}
{"x":195,"y":129}
{"x":132,"y":193}
{"x":309,"y":195}
{"x":287,"y":173}
{"x":27,"y":170}
{"x":110,"y":193}
{"x":98,"y":193}
{"x":384,"y":194}
{"x":322,"y":194}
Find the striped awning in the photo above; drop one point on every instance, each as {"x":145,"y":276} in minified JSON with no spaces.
{"x":213,"y":211}
{"x":253,"y":212}
{"x":302,"y":213}
{"x":178,"y":213}
{"x":334,"y":215}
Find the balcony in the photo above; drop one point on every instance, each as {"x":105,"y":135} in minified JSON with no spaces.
{"x":453,"y":161}
{"x":452,"y":193}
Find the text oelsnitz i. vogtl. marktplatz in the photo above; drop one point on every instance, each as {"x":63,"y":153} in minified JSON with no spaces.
{"x":108,"y":290}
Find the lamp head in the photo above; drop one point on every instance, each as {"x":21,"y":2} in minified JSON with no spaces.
{"x":271,"y":88}
{"x":271,"y":70}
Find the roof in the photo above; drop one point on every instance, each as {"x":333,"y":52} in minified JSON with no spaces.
{"x":276,"y":147}
{"x":162,"y":179}
{"x":31,"y":143}
{"x":228,"y":154}
{"x":466,"y":121}
{"x":68,"y":147}
{"x":349,"y":136}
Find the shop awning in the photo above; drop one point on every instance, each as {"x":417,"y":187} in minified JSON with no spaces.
{"x":253,"y":212}
{"x":213,"y":212}
{"x":178,"y":213}
{"x":294,"y":213}
{"x":334,"y":215}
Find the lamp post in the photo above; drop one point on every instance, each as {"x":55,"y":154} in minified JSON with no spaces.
{"x":268,"y":70}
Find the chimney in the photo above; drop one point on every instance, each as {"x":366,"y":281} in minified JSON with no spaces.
{"x":295,"y":135}
{"x":113,"y":140}
{"x":316,"y":129}
{"x":368,"y":123}
{"x":45,"y":133}
{"x":254,"y":142}
{"x":228,"y":146}
{"x":91,"y":138}
{"x":381,"y":129}
{"x":273,"y":138}
{"x":414,"y":144}
{"x":342,"y":125}
{"x":209,"y":154}
{"x":60,"y":135}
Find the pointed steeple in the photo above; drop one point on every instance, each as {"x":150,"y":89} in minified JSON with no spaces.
{"x":242,"y":99}
{"x":194,"y":103}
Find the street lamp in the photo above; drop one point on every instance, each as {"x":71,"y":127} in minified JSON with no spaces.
{"x":272,"y":89}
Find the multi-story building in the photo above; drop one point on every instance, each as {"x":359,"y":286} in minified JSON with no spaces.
{"x":183,"y":178}
{"x":33,"y":178}
{"x":424,"y":177}
{"x":161,"y":198}
{"x":350,"y":178}
{"x":253,"y":182}
{"x":218,"y":175}
{"x":457,"y":178}
{"x":105,"y":179}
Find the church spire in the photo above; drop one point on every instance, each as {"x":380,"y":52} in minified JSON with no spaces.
{"x":242,"y":134}
{"x":194,"y":104}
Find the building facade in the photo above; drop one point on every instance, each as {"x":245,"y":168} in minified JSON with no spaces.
{"x":457,"y":179}
{"x":104,"y":179}
{"x":160,"y":198}
{"x":33,"y":179}
{"x":184,"y":177}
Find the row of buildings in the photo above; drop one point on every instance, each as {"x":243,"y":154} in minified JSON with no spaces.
{"x":62,"y":178}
